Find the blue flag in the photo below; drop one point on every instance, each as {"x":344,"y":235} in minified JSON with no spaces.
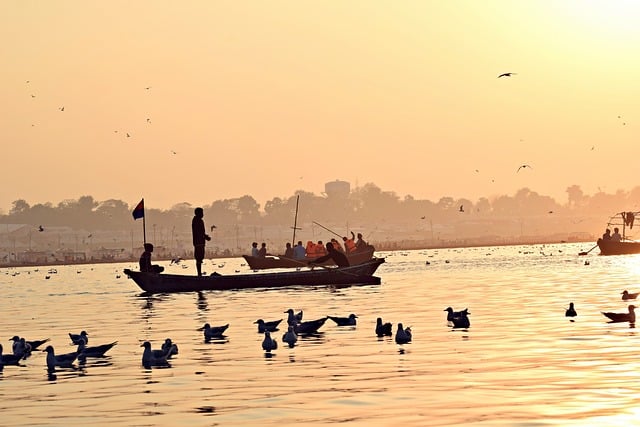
{"x":138,"y":212}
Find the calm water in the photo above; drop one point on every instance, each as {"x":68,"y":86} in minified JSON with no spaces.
{"x":521,"y":363}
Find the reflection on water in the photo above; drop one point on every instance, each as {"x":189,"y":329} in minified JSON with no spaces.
{"x":521,"y":361}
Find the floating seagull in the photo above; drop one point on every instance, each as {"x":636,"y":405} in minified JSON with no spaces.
{"x":213,"y":331}
{"x":169,"y":348}
{"x":93,"y":351}
{"x":453,"y":314}
{"x":269,"y":343}
{"x":290,"y":337}
{"x":622,"y":317}
{"x":571,"y":311}
{"x":462,"y":321}
{"x":8,"y":359}
{"x":271,"y":326}
{"x":76,"y":338}
{"x":507,"y":75}
{"x":345,"y":321}
{"x":63,"y":360}
{"x":383,"y":328}
{"x":403,"y":335}
{"x":626,"y":295}
{"x":523,"y":166}
{"x":294,"y":318}
{"x":153,"y":357}
{"x":310,"y":327}
{"x":20,"y":347}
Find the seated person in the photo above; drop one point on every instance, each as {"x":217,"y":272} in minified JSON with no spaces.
{"x":616,"y":237}
{"x":288,"y":252}
{"x":299,"y":252}
{"x":338,"y":258}
{"x":254,"y":249}
{"x":262,"y":252}
{"x":145,"y":261}
{"x":607,"y":235}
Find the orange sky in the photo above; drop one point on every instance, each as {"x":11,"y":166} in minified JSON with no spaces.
{"x":264,"y":98}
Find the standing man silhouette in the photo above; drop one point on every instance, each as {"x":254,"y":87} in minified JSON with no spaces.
{"x":199,"y":238}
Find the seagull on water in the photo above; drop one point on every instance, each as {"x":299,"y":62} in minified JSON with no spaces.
{"x":213,"y":331}
{"x":462,"y":321}
{"x":169,"y":348}
{"x":8,"y":359}
{"x":571,"y":311}
{"x":310,"y":327}
{"x":451,"y":314}
{"x":269,"y":343}
{"x":93,"y":351}
{"x":383,"y":329}
{"x":153,"y":357}
{"x":403,"y":335}
{"x":63,"y":360}
{"x":271,"y":326}
{"x":622,"y":317}
{"x":626,"y":295}
{"x":345,"y":321}
{"x":76,"y":338}
{"x":290,"y":337}
{"x":294,"y":318}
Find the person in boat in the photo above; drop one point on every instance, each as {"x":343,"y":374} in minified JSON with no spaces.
{"x":338,"y":257}
{"x":349,"y":244}
{"x":254,"y":249}
{"x":199,"y":238}
{"x":145,"y":261}
{"x":288,"y":252}
{"x":606,"y":235}
{"x":320,"y":250}
{"x":360,"y":243}
{"x":262,"y":252}
{"x":616,"y":237}
{"x":337,"y":245}
{"x":298,"y":251}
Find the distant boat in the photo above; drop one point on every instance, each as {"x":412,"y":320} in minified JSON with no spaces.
{"x":271,"y":261}
{"x":361,"y":274}
{"x":624,"y":221}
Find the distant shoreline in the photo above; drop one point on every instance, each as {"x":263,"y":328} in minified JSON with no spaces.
{"x":384,"y":248}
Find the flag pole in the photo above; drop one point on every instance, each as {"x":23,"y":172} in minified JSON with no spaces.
{"x":144,"y":232}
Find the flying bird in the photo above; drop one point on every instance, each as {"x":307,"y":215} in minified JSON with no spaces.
{"x":212,"y":227}
{"x":507,"y":75}
{"x":128,"y":136}
{"x":40,"y":228}
{"x":461,"y":208}
{"x":523,"y":166}
{"x":61,"y":108}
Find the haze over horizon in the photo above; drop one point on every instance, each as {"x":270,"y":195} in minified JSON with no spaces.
{"x":202,"y":101}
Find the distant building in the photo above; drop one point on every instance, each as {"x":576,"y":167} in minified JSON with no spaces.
{"x":337,"y":189}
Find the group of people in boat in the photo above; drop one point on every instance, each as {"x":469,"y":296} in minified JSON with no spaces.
{"x":615,"y":237}
{"x":317,"y":252}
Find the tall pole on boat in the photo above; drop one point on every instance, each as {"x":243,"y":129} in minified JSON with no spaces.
{"x":295,"y":222}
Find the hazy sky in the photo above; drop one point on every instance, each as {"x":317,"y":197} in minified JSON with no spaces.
{"x":268,"y":97}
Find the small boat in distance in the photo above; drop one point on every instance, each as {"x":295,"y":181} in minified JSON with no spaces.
{"x":361,"y":274}
{"x":272,"y":261}
{"x":624,"y":222}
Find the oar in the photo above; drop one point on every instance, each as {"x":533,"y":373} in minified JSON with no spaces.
{"x":584,"y":253}
{"x":330,"y":231}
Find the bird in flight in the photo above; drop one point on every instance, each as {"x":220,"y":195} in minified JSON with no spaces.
{"x":61,"y":108}
{"x":507,"y":75}
{"x":128,"y":136}
{"x":523,"y":166}
{"x":212,"y":227}
{"x":40,"y":228}
{"x":461,"y":209}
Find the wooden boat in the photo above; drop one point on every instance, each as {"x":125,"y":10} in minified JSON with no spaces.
{"x":361,"y":274}
{"x":270,"y":261}
{"x":624,"y":222}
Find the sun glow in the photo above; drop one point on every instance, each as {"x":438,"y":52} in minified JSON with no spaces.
{"x":615,"y":17}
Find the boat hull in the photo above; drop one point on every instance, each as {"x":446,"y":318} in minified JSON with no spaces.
{"x":361,"y":274}
{"x":608,"y":247}
{"x":260,"y":263}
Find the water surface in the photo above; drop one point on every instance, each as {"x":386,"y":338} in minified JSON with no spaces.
{"x":521,"y":363}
